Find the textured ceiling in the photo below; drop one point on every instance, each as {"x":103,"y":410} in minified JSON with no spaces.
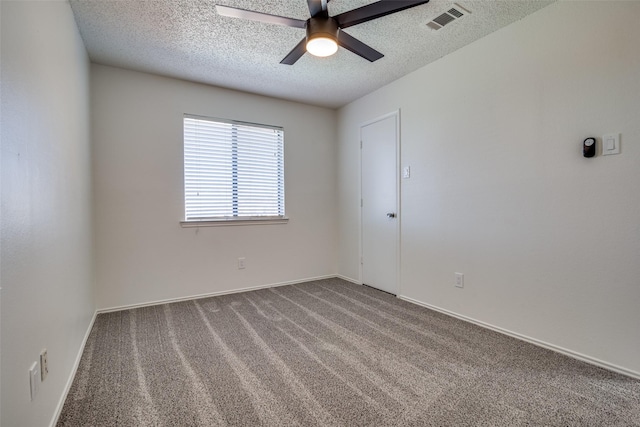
{"x":187,"y":39}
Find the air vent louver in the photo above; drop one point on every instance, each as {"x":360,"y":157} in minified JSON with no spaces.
{"x":444,"y":19}
{"x":454,"y":13}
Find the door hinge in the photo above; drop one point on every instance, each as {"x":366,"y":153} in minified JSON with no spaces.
{"x":361,"y":145}
{"x":361,"y":203}
{"x":361,"y":260}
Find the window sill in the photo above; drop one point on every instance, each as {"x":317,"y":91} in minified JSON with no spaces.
{"x":227,"y":222}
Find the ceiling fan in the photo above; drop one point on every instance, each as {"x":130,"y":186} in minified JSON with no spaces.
{"x":325,"y":33}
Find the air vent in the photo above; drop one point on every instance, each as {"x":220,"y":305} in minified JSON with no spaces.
{"x":453,"y":14}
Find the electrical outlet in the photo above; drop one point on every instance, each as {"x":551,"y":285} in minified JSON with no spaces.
{"x":241,"y":263}
{"x":459,"y":280}
{"x":34,"y":379}
{"x":44,"y":364}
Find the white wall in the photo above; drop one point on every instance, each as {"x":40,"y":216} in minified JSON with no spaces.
{"x":47,"y":289}
{"x":142,"y":253}
{"x":549,"y":241}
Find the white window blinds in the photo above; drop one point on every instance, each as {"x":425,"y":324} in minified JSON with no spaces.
{"x":232,"y":170}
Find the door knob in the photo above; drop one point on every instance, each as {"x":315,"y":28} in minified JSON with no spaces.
{"x":391,"y":215}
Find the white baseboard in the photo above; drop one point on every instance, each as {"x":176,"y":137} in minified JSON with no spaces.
{"x":534,"y":341}
{"x":348,"y":279}
{"x":72,"y":375}
{"x":212,"y":294}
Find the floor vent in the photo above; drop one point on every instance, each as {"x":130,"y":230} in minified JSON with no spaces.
{"x":454,"y":13}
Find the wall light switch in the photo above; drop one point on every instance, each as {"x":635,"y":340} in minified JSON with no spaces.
{"x":459,"y":280}
{"x":611,"y":144}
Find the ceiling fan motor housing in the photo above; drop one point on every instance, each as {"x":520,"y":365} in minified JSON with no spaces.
{"x":322,"y":27}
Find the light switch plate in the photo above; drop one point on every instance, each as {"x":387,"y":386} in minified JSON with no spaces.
{"x":611,"y":144}
{"x":406,"y":172}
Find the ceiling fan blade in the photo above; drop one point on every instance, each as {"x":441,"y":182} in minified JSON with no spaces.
{"x":234,"y":12}
{"x":296,"y":53}
{"x":374,"y":10}
{"x":318,"y":7}
{"x":356,"y":46}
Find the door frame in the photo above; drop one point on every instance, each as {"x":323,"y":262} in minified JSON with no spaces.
{"x":396,"y":115}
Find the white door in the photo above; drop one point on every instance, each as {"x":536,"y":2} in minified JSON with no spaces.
{"x":380,"y":221}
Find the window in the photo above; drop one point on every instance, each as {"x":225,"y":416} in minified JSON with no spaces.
{"x":232,"y":170}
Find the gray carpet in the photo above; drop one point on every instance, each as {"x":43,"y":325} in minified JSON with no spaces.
{"x":329,"y":353}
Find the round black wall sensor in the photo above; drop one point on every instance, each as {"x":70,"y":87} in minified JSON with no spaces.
{"x":589,"y":147}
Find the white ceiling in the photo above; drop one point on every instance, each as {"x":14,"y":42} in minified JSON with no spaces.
{"x":187,"y":39}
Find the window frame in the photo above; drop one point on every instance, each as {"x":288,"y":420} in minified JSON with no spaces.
{"x":236,"y":219}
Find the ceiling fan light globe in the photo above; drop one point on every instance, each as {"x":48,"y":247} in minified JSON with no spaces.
{"x":322,"y":46}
